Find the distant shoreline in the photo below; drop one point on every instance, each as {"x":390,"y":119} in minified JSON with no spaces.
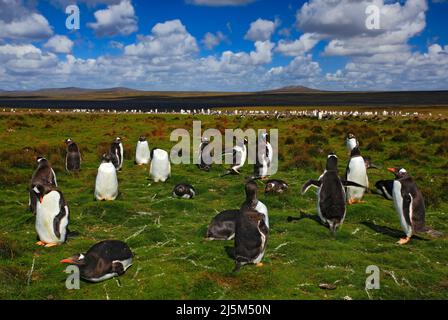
{"x":176,"y":101}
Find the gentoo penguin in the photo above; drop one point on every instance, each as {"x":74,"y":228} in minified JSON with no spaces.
{"x":44,"y":175}
{"x":106,"y":185}
{"x":222,"y":226}
{"x":73,"y":156}
{"x":275,"y":186}
{"x":239,"y":156}
{"x":104,"y":260}
{"x":410,"y":205}
{"x":204,"y":160}
{"x":251,"y":235}
{"x":142,"y":152}
{"x":160,"y":169}
{"x":116,"y":151}
{"x":330,"y":195}
{"x":351,"y":142}
{"x":385,"y":188}
{"x":264,"y":157}
{"x":184,"y":190}
{"x":52,"y":216}
{"x":357,"y":172}
{"x":253,"y":203}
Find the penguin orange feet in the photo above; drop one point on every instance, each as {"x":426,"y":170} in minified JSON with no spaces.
{"x":49,"y":245}
{"x":259,"y":264}
{"x":40,"y":243}
{"x":403,"y":241}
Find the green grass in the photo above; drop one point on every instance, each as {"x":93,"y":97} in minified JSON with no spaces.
{"x":173,"y":261}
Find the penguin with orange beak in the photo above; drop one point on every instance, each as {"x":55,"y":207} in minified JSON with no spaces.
{"x":104,"y":260}
{"x":410,"y":205}
{"x":52,"y":216}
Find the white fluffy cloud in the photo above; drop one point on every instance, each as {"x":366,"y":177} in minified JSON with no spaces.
{"x":19,"y":22}
{"x":168,"y":39}
{"x":305,"y":43}
{"x":59,"y":44}
{"x":260,"y":30}
{"x":116,"y":19}
{"x":343,"y":24}
{"x":212,"y":40}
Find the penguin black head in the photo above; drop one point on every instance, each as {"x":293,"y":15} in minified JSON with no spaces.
{"x":355,"y":152}
{"x":117,"y":140}
{"x":105,"y":158}
{"x":351,"y":136}
{"x":398,"y":172}
{"x":251,"y":189}
{"x":68,"y":141}
{"x":40,"y":191}
{"x":77,"y":259}
{"x":332,"y":162}
{"x":142,"y":138}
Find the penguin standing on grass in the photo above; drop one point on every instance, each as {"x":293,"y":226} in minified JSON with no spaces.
{"x":357,"y":172}
{"x":351,"y":142}
{"x":116,"y":151}
{"x":52,"y":216}
{"x":204,"y":159}
{"x":253,"y":203}
{"x":264,"y":156}
{"x":72,"y":157}
{"x":44,"y":175}
{"x":160,"y":168}
{"x":104,"y":260}
{"x":410,"y":206}
{"x":106,"y":184}
{"x":142,"y":152}
{"x":331,"y":197}
{"x":251,"y":235}
{"x":239,"y":156}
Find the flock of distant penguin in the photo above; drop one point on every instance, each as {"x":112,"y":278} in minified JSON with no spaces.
{"x":248,"y":226}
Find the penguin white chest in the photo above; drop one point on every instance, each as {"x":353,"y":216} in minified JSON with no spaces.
{"x":357,"y":172}
{"x":45,"y":214}
{"x":106,"y":185}
{"x":160,"y":168}
{"x":398,"y":203}
{"x":261,"y":207}
{"x":351,"y":144}
{"x":142,"y":153}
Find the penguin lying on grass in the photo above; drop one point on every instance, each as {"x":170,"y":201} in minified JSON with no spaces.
{"x":52,"y":216}
{"x":275,"y":186}
{"x":331,"y":197}
{"x":104,"y":260}
{"x":410,"y":206}
{"x":184,"y":190}
{"x":222,"y":226}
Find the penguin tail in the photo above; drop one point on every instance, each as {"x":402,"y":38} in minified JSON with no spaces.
{"x":72,"y":234}
{"x":433,"y":233}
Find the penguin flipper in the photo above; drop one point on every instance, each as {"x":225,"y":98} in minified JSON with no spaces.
{"x":347,"y":183}
{"x":57,"y":220}
{"x":118,"y":268}
{"x":309,"y":184}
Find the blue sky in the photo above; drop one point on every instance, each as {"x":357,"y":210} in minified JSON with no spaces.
{"x":225,"y":45}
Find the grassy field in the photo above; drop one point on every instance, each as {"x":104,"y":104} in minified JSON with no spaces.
{"x":172,"y":259}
